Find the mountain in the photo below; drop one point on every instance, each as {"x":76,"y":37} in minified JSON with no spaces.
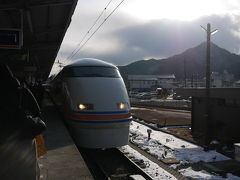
{"x":194,"y":60}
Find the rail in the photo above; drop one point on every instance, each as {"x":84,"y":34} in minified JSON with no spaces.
{"x":111,"y":164}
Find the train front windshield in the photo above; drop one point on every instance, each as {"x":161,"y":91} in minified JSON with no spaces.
{"x":92,"y":71}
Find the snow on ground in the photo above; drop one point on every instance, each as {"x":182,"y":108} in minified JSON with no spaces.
{"x":137,"y":177}
{"x":204,"y":175}
{"x":163,"y":145}
{"x":152,"y":169}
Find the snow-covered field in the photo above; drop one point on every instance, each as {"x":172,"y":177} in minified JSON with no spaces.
{"x":162,"y":145}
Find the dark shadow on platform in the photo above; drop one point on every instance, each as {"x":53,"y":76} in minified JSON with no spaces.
{"x":56,"y":135}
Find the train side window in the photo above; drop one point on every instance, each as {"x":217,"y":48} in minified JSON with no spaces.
{"x":66,"y":72}
{"x":92,"y":71}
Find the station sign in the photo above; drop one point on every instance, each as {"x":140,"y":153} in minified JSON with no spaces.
{"x":10,"y":38}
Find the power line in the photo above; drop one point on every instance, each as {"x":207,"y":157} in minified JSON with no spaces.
{"x":89,"y":29}
{"x":97,"y":29}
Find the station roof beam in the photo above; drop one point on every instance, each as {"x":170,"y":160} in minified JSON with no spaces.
{"x":43,"y":23}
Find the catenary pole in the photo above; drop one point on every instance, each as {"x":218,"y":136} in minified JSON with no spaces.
{"x":208,"y":120}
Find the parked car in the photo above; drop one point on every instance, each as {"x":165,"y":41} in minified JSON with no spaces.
{"x":144,"y":96}
{"x":177,"y":97}
{"x":132,"y":94}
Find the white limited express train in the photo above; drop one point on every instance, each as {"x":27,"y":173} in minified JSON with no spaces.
{"x":95,"y":103}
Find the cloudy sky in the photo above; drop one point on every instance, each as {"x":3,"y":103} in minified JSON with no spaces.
{"x":143,"y":29}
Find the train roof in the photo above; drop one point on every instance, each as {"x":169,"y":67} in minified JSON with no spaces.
{"x":90,"y":62}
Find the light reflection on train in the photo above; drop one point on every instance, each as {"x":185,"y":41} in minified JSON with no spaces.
{"x":95,"y":103}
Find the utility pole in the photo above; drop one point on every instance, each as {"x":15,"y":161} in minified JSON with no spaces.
{"x":192,"y":81}
{"x":208,"y":74}
{"x":185,"y":74}
{"x":208,"y":123}
{"x":196,"y":80}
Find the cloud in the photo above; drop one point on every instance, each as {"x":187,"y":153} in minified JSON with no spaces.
{"x":123,"y":39}
{"x":168,"y":37}
{"x":228,"y":36}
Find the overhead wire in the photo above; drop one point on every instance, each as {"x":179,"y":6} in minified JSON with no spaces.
{"x":95,"y":22}
{"x":97,"y":29}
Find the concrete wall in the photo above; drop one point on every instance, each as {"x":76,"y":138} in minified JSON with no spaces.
{"x":224,"y":112}
{"x":225,"y":118}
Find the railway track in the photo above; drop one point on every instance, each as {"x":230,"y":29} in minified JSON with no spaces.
{"x":111,"y":164}
{"x":170,"y":109}
{"x":162,"y":165}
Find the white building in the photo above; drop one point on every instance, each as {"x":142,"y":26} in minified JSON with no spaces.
{"x":216,"y":79}
{"x":150,"y":82}
{"x":237,"y":83}
{"x":221,"y":80}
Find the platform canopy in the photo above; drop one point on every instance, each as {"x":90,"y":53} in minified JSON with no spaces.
{"x":42,"y":24}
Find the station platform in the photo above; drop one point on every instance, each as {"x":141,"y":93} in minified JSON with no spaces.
{"x":62,"y":160}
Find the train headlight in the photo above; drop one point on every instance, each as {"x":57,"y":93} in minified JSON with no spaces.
{"x":85,"y":107}
{"x":122,"y":106}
